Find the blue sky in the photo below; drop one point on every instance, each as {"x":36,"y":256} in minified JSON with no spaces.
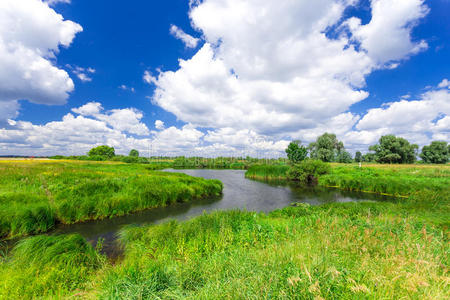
{"x":261,"y":74}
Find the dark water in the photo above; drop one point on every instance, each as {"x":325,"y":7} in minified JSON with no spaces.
{"x":238,"y":193}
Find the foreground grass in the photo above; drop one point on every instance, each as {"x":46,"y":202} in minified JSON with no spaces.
{"x":35,"y":195}
{"x":364,"y":250}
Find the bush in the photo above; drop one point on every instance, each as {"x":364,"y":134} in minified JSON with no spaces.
{"x":308,"y":171}
{"x":105,"y":151}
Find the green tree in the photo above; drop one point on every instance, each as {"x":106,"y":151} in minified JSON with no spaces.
{"x":134,"y":153}
{"x":296,"y":152}
{"x":104,"y":151}
{"x":344,"y":157}
{"x":358,"y":156}
{"x":436,"y":153}
{"x":394,"y":150}
{"x":369,"y":157}
{"x":326,"y":148}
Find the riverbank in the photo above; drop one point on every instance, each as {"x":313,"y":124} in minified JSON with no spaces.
{"x":35,"y":195}
{"x":396,"y":180}
{"x":373,"y":250}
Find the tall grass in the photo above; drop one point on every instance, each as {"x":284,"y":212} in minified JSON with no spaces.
{"x":264,"y":172}
{"x":388,"y":180}
{"x":345,"y":251}
{"x":361,"y":250}
{"x":48,"y":265}
{"x":34,"y":196}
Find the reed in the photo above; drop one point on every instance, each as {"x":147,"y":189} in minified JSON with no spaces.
{"x":267,"y":172}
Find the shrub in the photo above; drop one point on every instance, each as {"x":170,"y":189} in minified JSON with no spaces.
{"x":308,"y":171}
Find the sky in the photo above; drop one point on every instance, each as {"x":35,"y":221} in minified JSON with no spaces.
{"x":220,"y":77}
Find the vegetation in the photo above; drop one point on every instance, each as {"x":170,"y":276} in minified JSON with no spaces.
{"x":48,"y":265}
{"x":436,"y":153}
{"x":296,"y":152}
{"x":400,"y":181}
{"x":391,"y":149}
{"x":308,"y":171}
{"x":358,"y":156}
{"x":362,"y":250}
{"x":326,"y":148}
{"x":344,"y":157}
{"x":35,"y":195}
{"x":103,"y":151}
{"x":134,"y":153}
{"x":267,"y":172}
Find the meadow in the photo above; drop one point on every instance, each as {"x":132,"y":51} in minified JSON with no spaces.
{"x":359,"y":250}
{"x":35,"y":195}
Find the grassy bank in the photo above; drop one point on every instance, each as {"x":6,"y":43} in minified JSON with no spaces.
{"x":267,"y":172}
{"x":362,"y":250}
{"x":335,"y":251}
{"x":398,"y":180}
{"x":35,"y":195}
{"x":182,"y":162}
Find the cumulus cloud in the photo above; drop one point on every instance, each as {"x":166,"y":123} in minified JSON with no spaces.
{"x":188,"y":40}
{"x":124,"y":120}
{"x":89,"y":109}
{"x":159,"y":125}
{"x":419,"y":120}
{"x":387,"y":37}
{"x":30,"y":36}
{"x":275,"y":70}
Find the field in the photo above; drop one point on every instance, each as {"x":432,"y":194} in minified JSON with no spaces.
{"x":35,"y":195}
{"x":363,"y":250}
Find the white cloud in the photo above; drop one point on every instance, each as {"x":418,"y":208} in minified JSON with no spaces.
{"x":83,"y":73}
{"x":387,"y":37}
{"x":444,"y":83}
{"x":148,"y":77}
{"x":271,"y":68}
{"x":159,"y":125}
{"x":30,"y":36}
{"x":126,"y":120}
{"x":8,"y":110}
{"x":127,"y":88}
{"x":188,"y":40}
{"x":420,"y":121}
{"x":89,"y":109}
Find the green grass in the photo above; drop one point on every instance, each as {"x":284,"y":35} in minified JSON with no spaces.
{"x":392,"y":179}
{"x":335,"y":251}
{"x":361,"y":250}
{"x":267,"y":172}
{"x":36,"y":195}
{"x":48,"y":265}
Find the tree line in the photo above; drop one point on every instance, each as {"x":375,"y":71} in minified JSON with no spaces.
{"x":389,"y":149}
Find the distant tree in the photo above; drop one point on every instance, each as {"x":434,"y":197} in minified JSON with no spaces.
{"x":436,"y":153}
{"x":344,"y":157}
{"x":296,"y":152}
{"x":369,"y":157}
{"x":134,"y":153}
{"x":104,"y":151}
{"x":326,"y":147}
{"x":394,"y":150}
{"x":358,"y":156}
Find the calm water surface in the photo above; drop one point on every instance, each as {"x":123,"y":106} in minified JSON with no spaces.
{"x":238,"y":193}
